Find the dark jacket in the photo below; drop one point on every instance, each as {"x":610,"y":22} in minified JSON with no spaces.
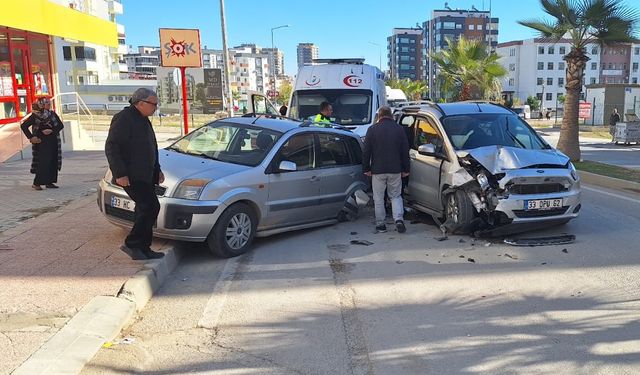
{"x":614,"y":119}
{"x":386,"y":149}
{"x":131,"y":147}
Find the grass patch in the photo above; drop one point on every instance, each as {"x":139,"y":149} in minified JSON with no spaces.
{"x":596,"y":134}
{"x":608,"y":170}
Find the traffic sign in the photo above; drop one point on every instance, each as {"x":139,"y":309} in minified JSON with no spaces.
{"x":272,"y":93}
{"x":584,"y":110}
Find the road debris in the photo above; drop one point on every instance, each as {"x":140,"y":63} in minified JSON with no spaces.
{"x":541,"y":241}
{"x":565,"y":251}
{"x":440,"y":239}
{"x":514,"y":257}
{"x":399,"y":262}
{"x":471,"y":260}
{"x":361,"y":242}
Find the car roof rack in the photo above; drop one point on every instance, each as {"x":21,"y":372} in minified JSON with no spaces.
{"x":419,"y":104}
{"x":267,"y":115}
{"x":483,"y":101}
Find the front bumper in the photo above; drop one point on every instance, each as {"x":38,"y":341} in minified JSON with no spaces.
{"x":178,"y":219}
{"x":514,"y":207}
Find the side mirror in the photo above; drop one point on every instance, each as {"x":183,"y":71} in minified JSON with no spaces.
{"x":427,"y":150}
{"x":287,"y":166}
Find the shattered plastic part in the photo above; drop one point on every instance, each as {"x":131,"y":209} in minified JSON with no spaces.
{"x":461,"y":177}
{"x":501,"y":158}
{"x":541,"y":241}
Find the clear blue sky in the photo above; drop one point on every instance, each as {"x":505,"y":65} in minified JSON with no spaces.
{"x":340,"y":28}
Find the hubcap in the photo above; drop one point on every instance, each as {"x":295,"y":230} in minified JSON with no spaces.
{"x":238,"y":231}
{"x":452,"y":208}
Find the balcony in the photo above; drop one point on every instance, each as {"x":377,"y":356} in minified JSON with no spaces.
{"x":120,"y":29}
{"x":612,"y":72}
{"x":115,"y":7}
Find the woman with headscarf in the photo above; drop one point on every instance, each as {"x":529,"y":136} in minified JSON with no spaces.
{"x":45,"y":139}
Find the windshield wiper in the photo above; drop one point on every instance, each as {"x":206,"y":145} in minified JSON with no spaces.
{"x":513,"y":137}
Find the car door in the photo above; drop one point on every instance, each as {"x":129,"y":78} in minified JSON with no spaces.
{"x":340,"y":166}
{"x":424,"y":181}
{"x":260,"y":104}
{"x":294,"y":195}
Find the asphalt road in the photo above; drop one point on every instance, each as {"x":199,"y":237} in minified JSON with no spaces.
{"x":312,"y":303}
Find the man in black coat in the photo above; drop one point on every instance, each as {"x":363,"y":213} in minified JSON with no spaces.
{"x":386,"y":160}
{"x":132,"y":152}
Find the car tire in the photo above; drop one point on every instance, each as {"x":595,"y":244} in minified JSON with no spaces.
{"x":459,"y":213}
{"x":234,"y":231}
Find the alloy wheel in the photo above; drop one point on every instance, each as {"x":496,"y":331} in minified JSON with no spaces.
{"x":238,"y":231}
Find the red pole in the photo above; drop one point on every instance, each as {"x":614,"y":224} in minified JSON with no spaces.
{"x":183,"y":76}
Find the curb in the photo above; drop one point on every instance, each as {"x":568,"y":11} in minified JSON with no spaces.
{"x":609,"y":182}
{"x":99,"y":321}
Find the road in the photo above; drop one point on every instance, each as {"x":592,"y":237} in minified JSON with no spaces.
{"x":312,"y":303}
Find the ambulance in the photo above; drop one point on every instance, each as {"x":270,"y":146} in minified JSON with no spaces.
{"x":354,"y":89}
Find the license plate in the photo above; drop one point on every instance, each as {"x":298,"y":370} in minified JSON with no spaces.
{"x":123,"y":203}
{"x":543,"y":204}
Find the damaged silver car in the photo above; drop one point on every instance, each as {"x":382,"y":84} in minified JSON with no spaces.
{"x":479,"y":167}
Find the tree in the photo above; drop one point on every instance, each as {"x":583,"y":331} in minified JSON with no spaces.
{"x":533,"y":102}
{"x":284,"y":93}
{"x":200,"y":95}
{"x":583,"y":22}
{"x":467,"y":71}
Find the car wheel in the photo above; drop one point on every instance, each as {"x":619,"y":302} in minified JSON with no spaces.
{"x":459,"y":213}
{"x":234,"y":231}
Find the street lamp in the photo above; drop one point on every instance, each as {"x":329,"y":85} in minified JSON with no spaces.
{"x":379,"y":54}
{"x":273,"y":60}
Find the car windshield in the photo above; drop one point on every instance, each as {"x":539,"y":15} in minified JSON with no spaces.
{"x":491,"y":129}
{"x":228,"y":142}
{"x":350,"y":107}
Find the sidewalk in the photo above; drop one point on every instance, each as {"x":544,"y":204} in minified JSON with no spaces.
{"x":57,"y":252}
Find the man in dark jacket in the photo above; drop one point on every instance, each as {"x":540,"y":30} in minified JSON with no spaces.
{"x":386,"y":160}
{"x":613,"y":120}
{"x":132,"y":152}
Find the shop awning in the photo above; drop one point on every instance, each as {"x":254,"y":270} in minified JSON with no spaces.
{"x":46,"y":17}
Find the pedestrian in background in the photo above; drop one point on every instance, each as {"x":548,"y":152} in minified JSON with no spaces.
{"x":613,"y":120}
{"x":386,"y":161}
{"x":132,"y":152}
{"x":46,"y":145}
{"x":283,"y":110}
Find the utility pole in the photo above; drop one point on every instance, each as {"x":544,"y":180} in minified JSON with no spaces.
{"x":272,"y":63}
{"x":225,"y":57}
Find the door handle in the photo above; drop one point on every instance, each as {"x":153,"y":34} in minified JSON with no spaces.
{"x":314,"y":179}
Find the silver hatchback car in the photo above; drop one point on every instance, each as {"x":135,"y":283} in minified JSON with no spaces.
{"x":241,"y":177}
{"x":479,"y":166}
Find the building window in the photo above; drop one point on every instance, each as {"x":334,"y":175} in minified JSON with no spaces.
{"x":560,"y":82}
{"x":560,"y":66}
{"x":512,"y":67}
{"x":551,"y":50}
{"x":540,"y":50}
{"x":479,"y":27}
{"x":539,"y":96}
{"x":512,"y":52}
{"x":594,"y":51}
{"x":562,"y":50}
{"x":549,"y":96}
{"x":594,"y":66}
{"x":540,"y":66}
{"x":540,"y":81}
{"x":635,"y":67}
{"x":512,"y":82}
{"x":66,"y":52}
{"x":449,"y":25}
{"x":610,"y":66}
{"x":85,"y":53}
{"x":634,"y":80}
{"x":592,"y":80}
{"x":549,"y":81}
{"x":458,"y":26}
{"x":472,"y":27}
{"x":550,"y":66}
{"x":636,"y":51}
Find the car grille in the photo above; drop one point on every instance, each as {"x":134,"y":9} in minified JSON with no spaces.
{"x":119,"y":213}
{"x":536,"y":189}
{"x":160,"y":190}
{"x":540,"y":213}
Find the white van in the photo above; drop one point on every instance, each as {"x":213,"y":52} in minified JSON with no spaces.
{"x":395,"y":96}
{"x":354,"y":89}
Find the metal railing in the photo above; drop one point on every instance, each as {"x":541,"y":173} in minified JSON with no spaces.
{"x":76,"y":106}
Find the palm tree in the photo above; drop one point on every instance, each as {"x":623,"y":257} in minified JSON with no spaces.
{"x":467,"y":71}
{"x":583,"y":22}
{"x":412,"y":89}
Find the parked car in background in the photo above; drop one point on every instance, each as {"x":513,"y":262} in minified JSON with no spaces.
{"x":479,"y":167}
{"x":241,"y":177}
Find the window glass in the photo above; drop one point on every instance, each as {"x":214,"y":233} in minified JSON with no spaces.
{"x":66,"y":52}
{"x":231,"y":143}
{"x":334,"y":150}
{"x":298,"y":149}
{"x":426,"y":133}
{"x":6,"y":82}
{"x":356,"y":150}
{"x":40,"y":69}
{"x":350,"y":107}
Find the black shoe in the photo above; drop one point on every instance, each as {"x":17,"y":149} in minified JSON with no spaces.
{"x":150,"y":254}
{"x":400,"y":226}
{"x":134,"y":253}
{"x":51,"y":186}
{"x":381,"y":228}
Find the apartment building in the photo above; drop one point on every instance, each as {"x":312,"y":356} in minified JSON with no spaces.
{"x":306,"y":53}
{"x":144,"y":63}
{"x":451,"y":24}
{"x":404,"y":53}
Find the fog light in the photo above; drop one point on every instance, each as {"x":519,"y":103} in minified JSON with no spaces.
{"x":578,"y":207}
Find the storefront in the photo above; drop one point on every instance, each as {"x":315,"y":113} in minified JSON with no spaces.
{"x":25,"y":71}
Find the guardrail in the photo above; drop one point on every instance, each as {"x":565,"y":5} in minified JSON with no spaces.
{"x":80,"y":108}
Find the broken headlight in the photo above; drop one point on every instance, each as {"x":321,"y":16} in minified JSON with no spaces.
{"x":483,"y":180}
{"x":573,"y":171}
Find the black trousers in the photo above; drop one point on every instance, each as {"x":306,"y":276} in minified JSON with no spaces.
{"x":146,"y":213}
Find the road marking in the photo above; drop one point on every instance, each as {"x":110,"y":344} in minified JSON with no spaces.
{"x":213,"y":310}
{"x":612,"y":194}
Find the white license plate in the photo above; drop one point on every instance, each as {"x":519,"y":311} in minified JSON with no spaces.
{"x":123,"y":203}
{"x":543,"y":204}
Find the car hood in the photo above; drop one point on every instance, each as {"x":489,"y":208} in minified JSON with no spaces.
{"x":501,"y":158}
{"x":177,"y":166}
